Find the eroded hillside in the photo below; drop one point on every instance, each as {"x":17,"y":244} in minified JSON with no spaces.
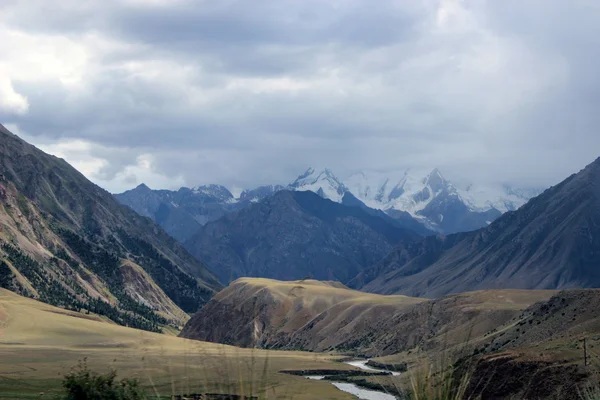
{"x":319,"y":316}
{"x":67,"y":242}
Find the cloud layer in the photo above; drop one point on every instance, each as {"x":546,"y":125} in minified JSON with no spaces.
{"x":244,"y":93}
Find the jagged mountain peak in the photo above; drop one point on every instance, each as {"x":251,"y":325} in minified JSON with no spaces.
{"x":412,"y":190}
{"x":309,"y":171}
{"x":217,"y":192}
{"x":294,"y":234}
{"x":551,"y":242}
{"x":423,"y":194}
{"x":435,"y":180}
{"x":312,"y":175}
{"x":260,"y":193}
{"x":322,"y":182}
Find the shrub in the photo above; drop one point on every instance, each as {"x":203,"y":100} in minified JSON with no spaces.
{"x":83,"y":384}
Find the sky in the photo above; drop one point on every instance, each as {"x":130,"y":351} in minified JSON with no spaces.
{"x":243,"y":93}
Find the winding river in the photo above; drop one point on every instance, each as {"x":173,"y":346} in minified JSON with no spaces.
{"x":361,"y":393}
{"x":362,"y":364}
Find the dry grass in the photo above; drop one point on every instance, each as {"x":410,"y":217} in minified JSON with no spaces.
{"x":40,"y":343}
{"x":316,"y":294}
{"x":291,"y":304}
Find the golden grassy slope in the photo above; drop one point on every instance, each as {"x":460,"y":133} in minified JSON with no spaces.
{"x":40,"y":343}
{"x":313,"y":295}
{"x":318,"y":316}
{"x":264,"y":312}
{"x":30,"y":232}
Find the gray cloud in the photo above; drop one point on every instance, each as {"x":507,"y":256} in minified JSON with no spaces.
{"x":247,"y":93}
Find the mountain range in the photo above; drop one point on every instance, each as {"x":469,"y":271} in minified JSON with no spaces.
{"x":425,"y":197}
{"x":68,"y":242}
{"x":293,"y":235}
{"x":183,"y":212}
{"x":552,"y":242}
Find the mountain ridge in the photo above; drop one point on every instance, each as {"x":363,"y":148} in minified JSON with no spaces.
{"x":295,"y":234}
{"x":425,"y":197}
{"x":68,"y":242}
{"x":553,"y":241}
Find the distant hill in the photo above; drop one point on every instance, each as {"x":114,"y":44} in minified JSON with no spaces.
{"x":323,"y":316}
{"x":552,"y":242}
{"x":293,"y":235}
{"x":183,"y":212}
{"x":67,"y":242}
{"x":423,"y":201}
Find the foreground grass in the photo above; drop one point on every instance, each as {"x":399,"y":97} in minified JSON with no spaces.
{"x":39,"y":344}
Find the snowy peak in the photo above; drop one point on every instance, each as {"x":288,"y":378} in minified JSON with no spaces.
{"x":435,"y":180}
{"x":309,"y":172}
{"x":260,"y":193}
{"x":411,"y":190}
{"x":424,"y":195}
{"x":500,"y":197}
{"x":324,"y":183}
{"x":215,"y":192}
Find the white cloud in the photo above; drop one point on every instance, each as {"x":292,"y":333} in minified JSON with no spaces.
{"x":83,"y":156}
{"x":11,"y":101}
{"x":245,"y":93}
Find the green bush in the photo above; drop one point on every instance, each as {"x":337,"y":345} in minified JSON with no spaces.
{"x":83,"y":384}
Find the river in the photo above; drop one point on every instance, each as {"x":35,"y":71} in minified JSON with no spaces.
{"x":361,"y":393}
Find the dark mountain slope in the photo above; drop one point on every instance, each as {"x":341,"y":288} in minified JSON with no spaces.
{"x":292,"y":235}
{"x":70,"y":243}
{"x":451,"y":215}
{"x":399,"y":218}
{"x":183,"y":212}
{"x":552,"y":242}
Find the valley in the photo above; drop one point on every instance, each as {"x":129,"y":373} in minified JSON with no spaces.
{"x":299,"y":200}
{"x":499,"y":343}
{"x":294,"y":282}
{"x":39,"y":344}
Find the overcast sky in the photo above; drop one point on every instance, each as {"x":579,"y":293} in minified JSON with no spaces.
{"x":248,"y":92}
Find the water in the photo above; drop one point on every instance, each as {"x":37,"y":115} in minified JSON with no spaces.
{"x":361,"y":393}
{"x":362,"y":364}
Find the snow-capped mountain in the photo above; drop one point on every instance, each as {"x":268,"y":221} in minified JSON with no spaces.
{"x":260,"y":193}
{"x":421,"y":195}
{"x":415,"y":189}
{"x":323,"y":183}
{"x":424,"y":194}
{"x":213,"y":193}
{"x":501,"y":197}
{"x":410,"y":192}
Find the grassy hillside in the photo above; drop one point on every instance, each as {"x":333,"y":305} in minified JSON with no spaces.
{"x":39,"y":344}
{"x":326,"y":316}
{"x":548,"y":351}
{"x":67,"y":242}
